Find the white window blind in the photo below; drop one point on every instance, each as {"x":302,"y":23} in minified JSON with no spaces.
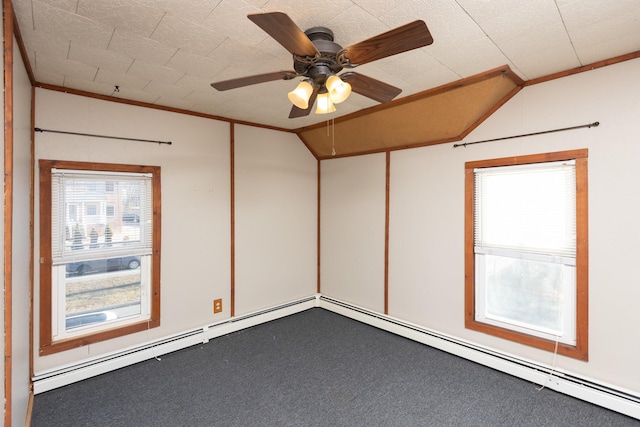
{"x":101,"y":233}
{"x":526,"y":209}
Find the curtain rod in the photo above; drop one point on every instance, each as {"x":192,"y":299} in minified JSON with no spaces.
{"x":594,"y":124}
{"x":102,"y":136}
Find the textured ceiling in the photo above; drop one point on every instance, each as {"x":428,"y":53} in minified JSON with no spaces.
{"x":167,"y":52}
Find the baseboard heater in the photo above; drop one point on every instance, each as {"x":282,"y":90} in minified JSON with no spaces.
{"x":608,"y":396}
{"x":68,"y":374}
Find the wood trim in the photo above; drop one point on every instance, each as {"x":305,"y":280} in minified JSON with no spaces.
{"x":469,"y":262}
{"x":156,"y":256}
{"x":32,"y":235}
{"x":45,"y":261}
{"x":232,"y":145}
{"x":589,"y":67}
{"x":318,"y":238}
{"x":23,"y":50}
{"x":528,"y":159}
{"x":306,"y":144}
{"x":46,"y":344}
{"x":489,"y":112}
{"x":155,"y":106}
{"x":29,"y":416}
{"x":582,"y":256}
{"x":503,"y":70}
{"x":8,"y":208}
{"x":71,"y":343}
{"x":386,"y":230}
{"x":580,"y":350}
{"x":386,"y":149}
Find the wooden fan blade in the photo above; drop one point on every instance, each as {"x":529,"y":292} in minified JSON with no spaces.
{"x":299,"y":112}
{"x":252,"y":80}
{"x":408,"y":37}
{"x":370,"y":87}
{"x":279,"y":26}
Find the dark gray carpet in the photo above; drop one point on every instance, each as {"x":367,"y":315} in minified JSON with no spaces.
{"x":314,"y":368}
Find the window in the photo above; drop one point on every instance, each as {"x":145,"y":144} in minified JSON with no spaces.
{"x":526,"y":248}
{"x":99,"y":277}
{"x":91,"y":209}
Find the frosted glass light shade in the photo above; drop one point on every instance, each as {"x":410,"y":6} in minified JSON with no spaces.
{"x":301,"y":94}
{"x":338,"y":90}
{"x":324,"y":104}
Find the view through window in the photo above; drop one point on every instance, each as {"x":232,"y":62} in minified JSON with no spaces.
{"x":526,"y":272}
{"x":98,"y":224}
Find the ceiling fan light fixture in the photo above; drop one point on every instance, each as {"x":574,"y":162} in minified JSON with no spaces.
{"x":339,"y":90}
{"x":301,"y":94}
{"x":324,"y":105}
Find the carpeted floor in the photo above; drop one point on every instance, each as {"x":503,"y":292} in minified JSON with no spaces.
{"x":315,"y":368}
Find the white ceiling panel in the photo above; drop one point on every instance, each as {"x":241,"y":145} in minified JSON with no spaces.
{"x":66,"y":67}
{"x":51,"y":78}
{"x":189,"y":10}
{"x":68,"y":5}
{"x":99,"y":58}
{"x":552,"y":60}
{"x":166,"y":91}
{"x":141,"y":48}
{"x":135,"y":95}
{"x":45,"y":43}
{"x":123,"y":80}
{"x":169,"y":51}
{"x":127,"y":15}
{"x":241,"y":57}
{"x":229,"y":19}
{"x":67,"y":25}
{"x":196,"y":65}
{"x":154,"y":72}
{"x":90,"y":86}
{"x":382,"y":8}
{"x":181,"y":34}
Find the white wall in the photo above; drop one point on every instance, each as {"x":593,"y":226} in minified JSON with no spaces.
{"x":426,"y":267}
{"x":275,"y":219}
{"x":21,"y":247}
{"x":352,"y":229}
{"x":196,"y":207}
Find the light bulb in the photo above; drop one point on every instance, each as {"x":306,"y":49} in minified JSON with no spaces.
{"x":338,"y":90}
{"x":324,"y":104}
{"x":301,"y":94}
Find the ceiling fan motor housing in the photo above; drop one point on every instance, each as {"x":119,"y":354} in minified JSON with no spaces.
{"x":326,"y":65}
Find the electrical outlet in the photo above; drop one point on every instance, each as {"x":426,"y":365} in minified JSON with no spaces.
{"x":217,"y":305}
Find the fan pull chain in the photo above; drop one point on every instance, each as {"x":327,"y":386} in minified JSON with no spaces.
{"x":331,"y":131}
{"x":333,"y":137}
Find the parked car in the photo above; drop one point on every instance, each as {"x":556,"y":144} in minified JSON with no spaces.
{"x":103,"y":265}
{"x":89,"y":318}
{"x":130,"y":217}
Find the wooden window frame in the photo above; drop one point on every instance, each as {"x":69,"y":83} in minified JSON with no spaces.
{"x":46,"y":344}
{"x":580,"y":349}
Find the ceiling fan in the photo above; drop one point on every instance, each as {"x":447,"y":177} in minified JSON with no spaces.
{"x":318,"y":59}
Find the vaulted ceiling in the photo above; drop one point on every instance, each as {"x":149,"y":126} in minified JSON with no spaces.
{"x":168,"y":52}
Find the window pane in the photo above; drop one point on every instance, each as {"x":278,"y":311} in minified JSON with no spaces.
{"x":528,"y":208}
{"x":100,"y":239}
{"x":113,"y":219}
{"x":102,"y":290}
{"x":526,"y":293}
